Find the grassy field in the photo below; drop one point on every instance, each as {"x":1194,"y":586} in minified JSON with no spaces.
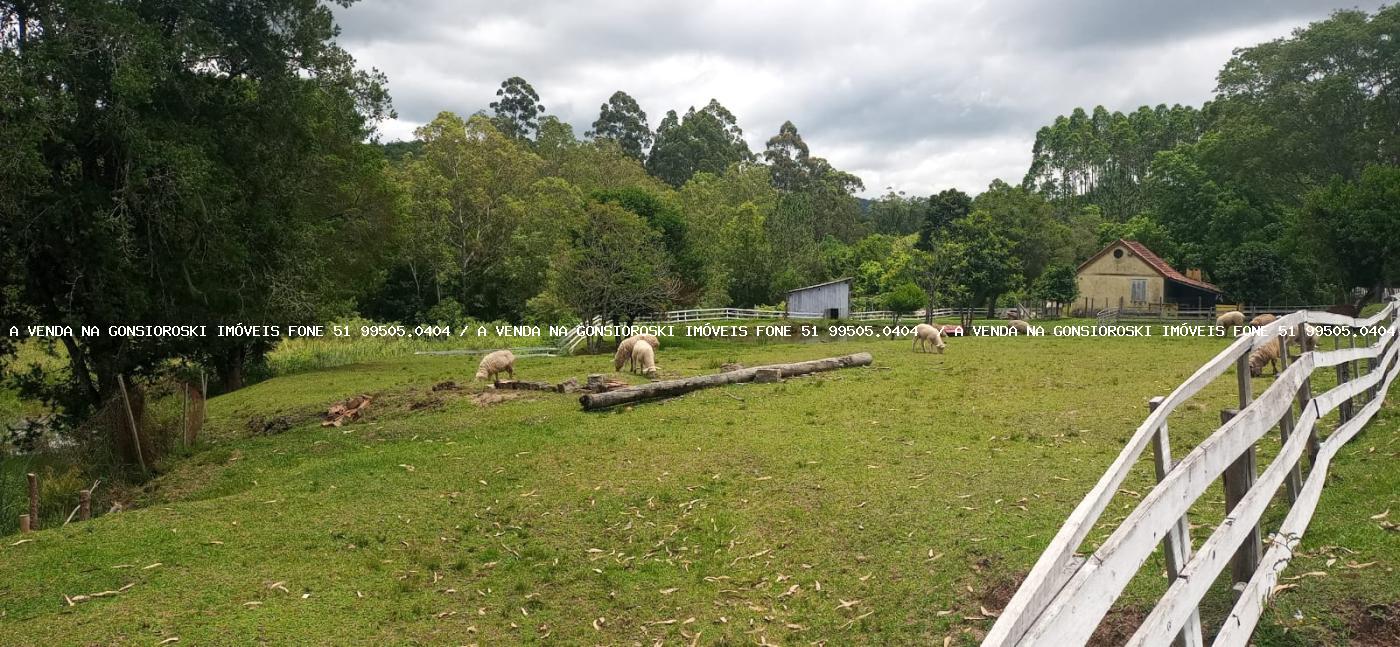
{"x":884,"y":505}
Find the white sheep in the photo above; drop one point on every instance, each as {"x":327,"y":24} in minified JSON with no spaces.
{"x":624,"y":350}
{"x":1231,"y":320}
{"x":645,"y":357}
{"x":495,"y":363}
{"x":1266,"y":354}
{"x":1263,"y":320}
{"x":1021,"y":327}
{"x":925,"y":334}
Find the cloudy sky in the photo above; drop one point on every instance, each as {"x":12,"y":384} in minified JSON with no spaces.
{"x":918,"y":96}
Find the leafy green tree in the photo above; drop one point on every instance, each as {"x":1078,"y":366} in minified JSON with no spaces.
{"x":1057,"y":284}
{"x":1038,"y":237}
{"x":180,"y":163}
{"x":1356,"y":228}
{"x":662,"y":214}
{"x":1255,"y":274}
{"x":904,"y":299}
{"x":465,"y":205}
{"x":725,"y":216}
{"x":707,"y":140}
{"x":789,"y":158}
{"x":623,"y":121}
{"x":944,"y":208}
{"x":518,"y":110}
{"x":615,"y":266}
{"x":989,"y":265}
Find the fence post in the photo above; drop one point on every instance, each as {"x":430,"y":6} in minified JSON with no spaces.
{"x":1343,"y":376}
{"x":24,"y":524}
{"x":33,"y":499}
{"x":1239,"y":478}
{"x":1294,"y":481}
{"x":1176,"y":546}
{"x":1304,"y":398}
{"x":185,"y":413}
{"x":84,"y":505}
{"x":135,"y":433}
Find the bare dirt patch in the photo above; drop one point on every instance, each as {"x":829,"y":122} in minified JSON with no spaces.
{"x":1375,"y":624}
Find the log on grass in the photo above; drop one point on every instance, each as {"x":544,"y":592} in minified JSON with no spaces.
{"x":672,"y":388}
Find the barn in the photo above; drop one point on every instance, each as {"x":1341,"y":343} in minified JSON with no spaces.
{"x":830,"y":300}
{"x":1127,"y":275}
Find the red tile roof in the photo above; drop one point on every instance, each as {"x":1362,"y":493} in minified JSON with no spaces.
{"x":1167,"y":271}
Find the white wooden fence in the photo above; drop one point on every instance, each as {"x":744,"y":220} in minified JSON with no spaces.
{"x":1065,"y":596}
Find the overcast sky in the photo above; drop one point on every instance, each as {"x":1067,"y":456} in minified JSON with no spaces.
{"x":918,"y":96}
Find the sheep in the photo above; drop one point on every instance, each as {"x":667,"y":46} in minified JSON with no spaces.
{"x":1231,"y":320}
{"x":1305,"y":340}
{"x":1266,"y":354}
{"x":1263,"y":320}
{"x":925,"y":334}
{"x":645,"y":357}
{"x":624,"y":350}
{"x":1021,"y":327}
{"x":501,"y":361}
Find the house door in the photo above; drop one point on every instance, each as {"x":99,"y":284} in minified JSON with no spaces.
{"x":833,"y":313}
{"x":1139,"y":290}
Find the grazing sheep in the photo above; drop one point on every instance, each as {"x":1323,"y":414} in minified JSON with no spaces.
{"x":925,"y":334}
{"x":501,"y":361}
{"x":1021,"y":327}
{"x":645,"y":357}
{"x":1266,"y":354}
{"x":624,"y":350}
{"x":1230,"y":320}
{"x":1306,"y":340}
{"x":1263,"y":320}
{"x":951,"y":330}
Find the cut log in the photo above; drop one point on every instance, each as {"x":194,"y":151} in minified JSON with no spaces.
{"x":767,"y":376}
{"x":524,"y":385}
{"x":672,"y":388}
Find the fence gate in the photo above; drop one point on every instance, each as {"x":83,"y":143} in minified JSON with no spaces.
{"x":1066,"y":595}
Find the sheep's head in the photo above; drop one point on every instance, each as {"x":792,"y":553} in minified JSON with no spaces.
{"x":939,"y":346}
{"x":1256,"y":370}
{"x":481,"y":374}
{"x":650,"y":371}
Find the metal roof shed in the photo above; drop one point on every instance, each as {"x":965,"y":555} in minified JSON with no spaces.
{"x":830,"y":300}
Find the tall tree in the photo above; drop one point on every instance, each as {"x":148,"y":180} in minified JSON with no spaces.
{"x":169,"y":163}
{"x":623,"y":121}
{"x":518,"y":109}
{"x":705,"y":140}
{"x":615,"y":266}
{"x":944,"y":208}
{"x":464,"y":201}
{"x":789,"y":158}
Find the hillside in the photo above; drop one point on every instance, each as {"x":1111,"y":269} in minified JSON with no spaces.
{"x":895,"y":504}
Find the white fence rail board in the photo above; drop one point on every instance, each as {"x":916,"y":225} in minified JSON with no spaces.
{"x":1064,"y":597}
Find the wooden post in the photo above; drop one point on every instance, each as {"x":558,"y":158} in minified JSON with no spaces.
{"x":24,"y":524}
{"x":135,"y":434}
{"x":1294,"y":482}
{"x":1343,"y":376}
{"x":1176,"y":546}
{"x":33,"y":499}
{"x":1304,"y":398}
{"x":185,"y":413}
{"x":1239,"y":478}
{"x":84,"y":505}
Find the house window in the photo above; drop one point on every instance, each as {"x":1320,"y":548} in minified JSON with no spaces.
{"x":1139,"y":290}
{"x":1118,"y":253}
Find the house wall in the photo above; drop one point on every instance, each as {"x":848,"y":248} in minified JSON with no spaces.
{"x":821,"y":298}
{"x":1107,"y":279}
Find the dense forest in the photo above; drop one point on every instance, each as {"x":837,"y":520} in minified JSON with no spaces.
{"x":217,"y":164}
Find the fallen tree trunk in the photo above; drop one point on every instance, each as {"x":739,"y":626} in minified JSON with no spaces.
{"x":672,"y":388}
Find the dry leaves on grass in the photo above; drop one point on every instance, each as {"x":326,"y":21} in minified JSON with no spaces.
{"x":347,"y":410}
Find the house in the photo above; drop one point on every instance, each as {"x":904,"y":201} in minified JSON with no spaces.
{"x":830,"y":300}
{"x":1127,"y":275}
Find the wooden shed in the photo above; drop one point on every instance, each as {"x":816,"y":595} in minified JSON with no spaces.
{"x":830,"y":300}
{"x":1126,"y":274}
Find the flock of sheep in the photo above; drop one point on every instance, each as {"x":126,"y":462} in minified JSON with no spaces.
{"x":638,"y":351}
{"x":1268,"y":353}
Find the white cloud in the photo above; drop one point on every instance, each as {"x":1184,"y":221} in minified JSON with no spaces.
{"x":919,"y":96}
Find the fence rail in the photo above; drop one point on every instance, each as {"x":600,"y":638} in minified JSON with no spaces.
{"x":1065,"y":596}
